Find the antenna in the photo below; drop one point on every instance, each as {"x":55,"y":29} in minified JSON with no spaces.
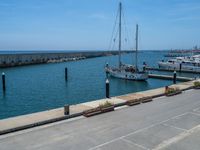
{"x":120,"y":34}
{"x":136,"y":48}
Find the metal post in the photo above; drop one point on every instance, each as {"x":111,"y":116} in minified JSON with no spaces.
{"x":106,"y":68}
{"x":136,"y":49}
{"x":174,"y":79}
{"x":180,"y":67}
{"x":107,"y":89}
{"x":66,"y":73}
{"x":4,"y":81}
{"x":144,"y":66}
{"x":120,"y":33}
{"x":66,"y":109}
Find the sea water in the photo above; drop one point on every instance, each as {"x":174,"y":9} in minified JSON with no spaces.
{"x":41,"y":87}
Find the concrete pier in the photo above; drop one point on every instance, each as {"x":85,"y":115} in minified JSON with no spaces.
{"x":11,"y":60}
{"x":167,"y":77}
{"x":167,"y":123}
{"x":50,"y":116}
{"x":172,"y":70}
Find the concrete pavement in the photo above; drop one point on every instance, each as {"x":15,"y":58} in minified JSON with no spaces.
{"x":41,"y":118}
{"x":166,"y":123}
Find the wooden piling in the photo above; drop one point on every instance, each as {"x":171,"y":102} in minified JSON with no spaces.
{"x":180,"y":67}
{"x":174,"y":77}
{"x":4,"y":81}
{"x":107,"y":89}
{"x":66,"y":73}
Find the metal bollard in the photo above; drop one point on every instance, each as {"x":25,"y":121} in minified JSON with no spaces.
{"x":66,"y":109}
{"x":3,"y":81}
{"x":180,"y":67}
{"x":66,"y":73}
{"x":174,"y":78}
{"x":107,"y":89}
{"x":144,"y":68}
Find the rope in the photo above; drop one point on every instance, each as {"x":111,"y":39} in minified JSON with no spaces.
{"x":114,"y":27}
{"x":127,"y":39}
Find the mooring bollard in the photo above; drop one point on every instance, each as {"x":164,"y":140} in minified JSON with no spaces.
{"x":107,"y":89}
{"x":144,"y":66}
{"x":180,"y":67}
{"x":4,"y":81}
{"x":66,"y":109}
{"x":174,"y":79}
{"x":66,"y":73}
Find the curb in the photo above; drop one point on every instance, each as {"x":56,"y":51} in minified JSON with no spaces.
{"x":39,"y":123}
{"x":67,"y":117}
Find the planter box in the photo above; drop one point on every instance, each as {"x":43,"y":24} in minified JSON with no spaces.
{"x":146,"y":99}
{"x":92,"y":112}
{"x":98,"y":110}
{"x":107,"y":109}
{"x":196,"y":87}
{"x":133,"y":102}
{"x":175,"y":93}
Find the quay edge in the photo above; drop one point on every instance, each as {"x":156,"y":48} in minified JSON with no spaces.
{"x":41,"y":118}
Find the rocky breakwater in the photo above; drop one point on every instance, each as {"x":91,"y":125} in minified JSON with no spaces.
{"x":11,"y":60}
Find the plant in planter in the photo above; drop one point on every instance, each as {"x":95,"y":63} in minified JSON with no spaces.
{"x":170,"y":91}
{"x":102,"y":108}
{"x":197,"y":85}
{"x":133,"y":102}
{"x":106,"y":107}
{"x":146,"y":99}
{"x":92,"y":112}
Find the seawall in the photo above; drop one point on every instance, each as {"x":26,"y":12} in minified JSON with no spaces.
{"x":11,"y":60}
{"x":41,"y":118}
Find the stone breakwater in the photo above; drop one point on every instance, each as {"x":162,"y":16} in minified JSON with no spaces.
{"x":11,"y":60}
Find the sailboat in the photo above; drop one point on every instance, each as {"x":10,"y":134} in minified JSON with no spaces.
{"x":126,"y":71}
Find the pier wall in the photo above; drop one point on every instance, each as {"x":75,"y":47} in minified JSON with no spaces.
{"x":18,"y":123}
{"x":11,"y":60}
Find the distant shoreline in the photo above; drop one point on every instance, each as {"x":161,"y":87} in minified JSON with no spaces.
{"x":61,"y":51}
{"x":41,"y":57}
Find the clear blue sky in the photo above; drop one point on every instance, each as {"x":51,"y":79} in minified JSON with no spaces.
{"x":87,"y":24}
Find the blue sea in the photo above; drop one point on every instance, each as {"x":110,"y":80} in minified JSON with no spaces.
{"x":41,"y":87}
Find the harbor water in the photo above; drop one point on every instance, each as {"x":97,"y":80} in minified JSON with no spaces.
{"x":41,"y":87}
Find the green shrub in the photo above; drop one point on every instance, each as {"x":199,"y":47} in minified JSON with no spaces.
{"x":170,"y":90}
{"x":197,"y":84}
{"x":106,"y":104}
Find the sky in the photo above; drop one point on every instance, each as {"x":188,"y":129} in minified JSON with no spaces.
{"x":88,"y":24}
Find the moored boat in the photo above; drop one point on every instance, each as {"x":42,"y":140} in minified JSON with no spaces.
{"x":191,"y":63}
{"x":126,"y":71}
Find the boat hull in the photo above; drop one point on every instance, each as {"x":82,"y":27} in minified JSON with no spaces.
{"x":137,"y":76}
{"x":178,"y":66}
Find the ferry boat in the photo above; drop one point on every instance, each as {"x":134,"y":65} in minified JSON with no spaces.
{"x":126,"y":71}
{"x":189,"y":63}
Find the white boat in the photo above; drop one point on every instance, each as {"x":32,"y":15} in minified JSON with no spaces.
{"x":191,"y":63}
{"x":126,"y":71}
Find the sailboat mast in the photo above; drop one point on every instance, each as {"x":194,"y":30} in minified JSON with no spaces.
{"x":120,"y":34}
{"x":136,"y":48}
